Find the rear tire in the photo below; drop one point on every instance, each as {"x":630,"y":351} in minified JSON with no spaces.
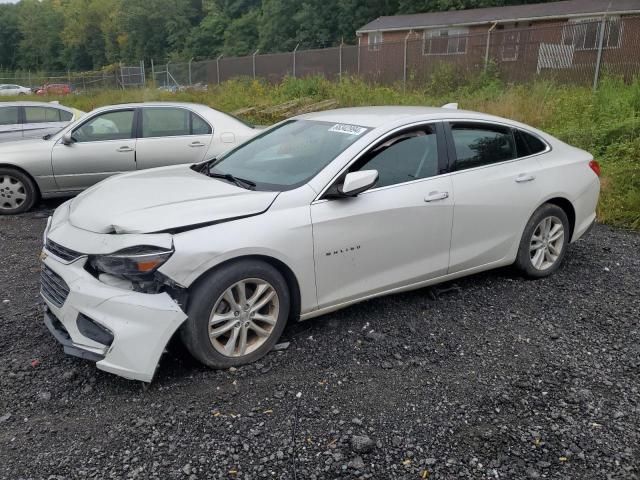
{"x":236,"y":314}
{"x":544,"y":242}
{"x":18,"y":193}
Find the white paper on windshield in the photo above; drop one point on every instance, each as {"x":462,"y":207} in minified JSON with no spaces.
{"x":348,"y":129}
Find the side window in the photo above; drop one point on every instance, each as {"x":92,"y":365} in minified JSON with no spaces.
{"x":481,"y":144}
{"x":65,"y":116}
{"x":8,"y":115}
{"x":41,"y":115}
{"x":408,"y":156}
{"x":527,"y":144}
{"x":106,"y":126}
{"x":199,"y":126}
{"x":165,"y":122}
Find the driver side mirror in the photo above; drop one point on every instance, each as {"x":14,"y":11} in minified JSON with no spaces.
{"x":67,"y":139}
{"x":358,"y":182}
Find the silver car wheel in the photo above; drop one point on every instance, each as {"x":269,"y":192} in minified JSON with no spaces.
{"x":546,"y":243}
{"x":243,"y":317}
{"x":12,"y":192}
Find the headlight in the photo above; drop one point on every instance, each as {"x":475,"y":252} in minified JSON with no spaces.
{"x":133,"y":263}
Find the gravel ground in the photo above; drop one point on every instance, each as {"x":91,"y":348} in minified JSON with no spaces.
{"x":488,"y":377}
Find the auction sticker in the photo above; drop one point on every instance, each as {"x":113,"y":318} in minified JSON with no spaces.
{"x":348,"y":129}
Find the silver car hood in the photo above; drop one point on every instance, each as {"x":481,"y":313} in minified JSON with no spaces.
{"x":163,"y":199}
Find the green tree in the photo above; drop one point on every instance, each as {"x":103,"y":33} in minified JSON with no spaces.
{"x":241,"y":36}
{"x":277,"y":30}
{"x":10,"y":35}
{"x":40,"y":24}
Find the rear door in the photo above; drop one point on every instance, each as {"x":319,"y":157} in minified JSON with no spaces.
{"x":102,"y":145}
{"x":39,"y":121}
{"x":495,"y":192}
{"x":171,"y":136}
{"x":10,"y":124}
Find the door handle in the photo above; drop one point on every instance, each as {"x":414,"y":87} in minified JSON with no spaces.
{"x":525,"y":177}
{"x":125,"y":149}
{"x":197,"y":144}
{"x":435,"y":196}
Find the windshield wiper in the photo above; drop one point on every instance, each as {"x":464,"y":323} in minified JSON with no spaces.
{"x":241,"y":182}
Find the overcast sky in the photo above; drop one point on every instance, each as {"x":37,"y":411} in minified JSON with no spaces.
{"x":8,"y":1}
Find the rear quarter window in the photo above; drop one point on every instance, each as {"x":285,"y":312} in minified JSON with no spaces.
{"x":528,"y":144}
{"x":65,"y":116}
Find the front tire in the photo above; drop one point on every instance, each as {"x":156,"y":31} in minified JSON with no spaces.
{"x":236,"y":314}
{"x":18,"y":193}
{"x":544,"y":242}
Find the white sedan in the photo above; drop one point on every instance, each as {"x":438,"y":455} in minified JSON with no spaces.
{"x":317,"y":213}
{"x":7,"y":89}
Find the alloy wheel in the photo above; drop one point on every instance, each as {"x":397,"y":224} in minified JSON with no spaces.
{"x":12,"y":192}
{"x":546,"y":243}
{"x":243,"y":317}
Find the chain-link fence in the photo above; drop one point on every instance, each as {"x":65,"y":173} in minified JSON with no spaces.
{"x":77,"y":81}
{"x":577,"y":51}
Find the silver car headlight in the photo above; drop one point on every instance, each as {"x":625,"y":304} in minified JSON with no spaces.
{"x":134,"y":263}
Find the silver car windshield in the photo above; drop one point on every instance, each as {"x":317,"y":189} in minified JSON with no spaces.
{"x":289,"y":155}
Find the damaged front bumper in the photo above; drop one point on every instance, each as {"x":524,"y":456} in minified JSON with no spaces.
{"x":123,"y":331}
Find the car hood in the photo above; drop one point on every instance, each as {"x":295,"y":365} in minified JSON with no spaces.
{"x":163,"y":199}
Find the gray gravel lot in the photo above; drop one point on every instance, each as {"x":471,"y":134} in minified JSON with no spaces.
{"x":492,"y":376}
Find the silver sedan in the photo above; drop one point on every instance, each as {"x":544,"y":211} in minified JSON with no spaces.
{"x":111,"y":140}
{"x":19,"y":120}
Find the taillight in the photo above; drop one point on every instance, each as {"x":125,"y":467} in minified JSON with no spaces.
{"x":595,"y":166}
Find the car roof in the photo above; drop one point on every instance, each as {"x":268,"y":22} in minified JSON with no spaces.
{"x":374,"y":117}
{"x":193,"y":106}
{"x":35,"y":104}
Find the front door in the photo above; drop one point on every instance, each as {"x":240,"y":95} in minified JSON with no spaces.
{"x":102,"y":146}
{"x":171,"y":136}
{"x":397,"y":233}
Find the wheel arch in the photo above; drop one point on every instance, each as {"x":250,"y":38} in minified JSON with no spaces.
{"x":283,"y":268}
{"x":568,"y":208}
{"x":23,"y":171}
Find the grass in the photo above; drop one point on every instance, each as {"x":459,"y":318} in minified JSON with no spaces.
{"x":605,"y":123}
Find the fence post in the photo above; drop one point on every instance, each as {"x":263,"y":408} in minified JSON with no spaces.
{"x":29,"y":74}
{"x":340,"y":60}
{"x":190,"y":60}
{"x":143,"y":74}
{"x":404,"y":65}
{"x":596,"y":75}
{"x":253,"y":61}
{"x":166,"y":82}
{"x":359,"y":38}
{"x":218,"y":67}
{"x":486,"y":52}
{"x":153,"y":74}
{"x":121,"y":76}
{"x":294,"y":60}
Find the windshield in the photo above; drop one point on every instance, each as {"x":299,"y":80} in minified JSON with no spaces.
{"x":289,"y":155}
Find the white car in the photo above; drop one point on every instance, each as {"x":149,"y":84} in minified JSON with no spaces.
{"x":20,"y":120}
{"x":110,"y":140}
{"x":11,"y":89}
{"x":317,"y":213}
